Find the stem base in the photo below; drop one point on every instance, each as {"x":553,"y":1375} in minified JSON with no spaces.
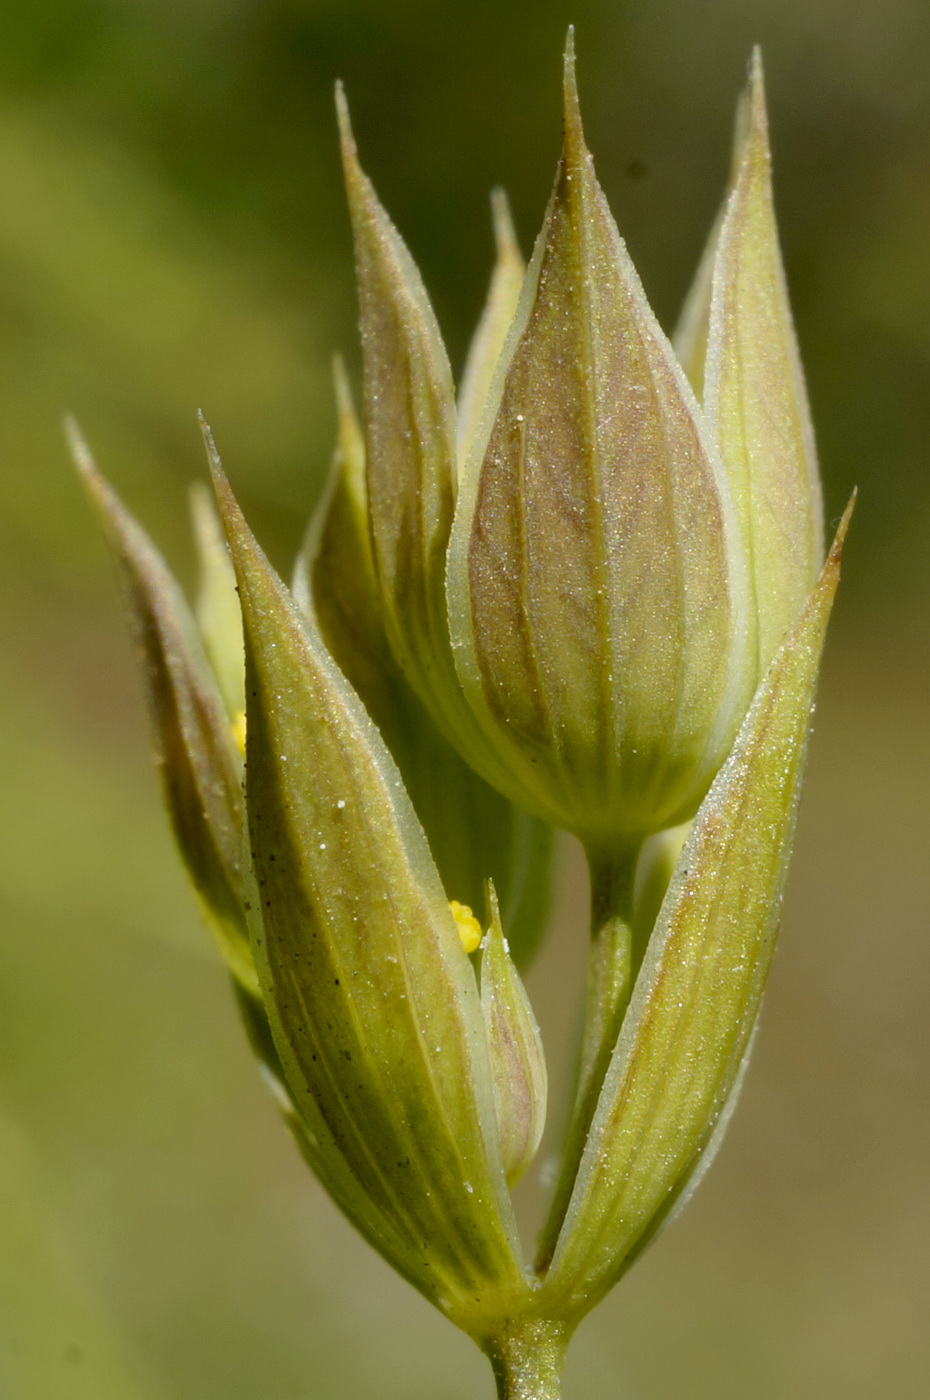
{"x":527,"y":1360}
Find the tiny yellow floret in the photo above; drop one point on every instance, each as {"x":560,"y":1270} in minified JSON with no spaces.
{"x":238,"y":731}
{"x":470,"y":931}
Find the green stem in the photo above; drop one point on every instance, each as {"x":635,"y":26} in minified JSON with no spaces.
{"x":610,"y":966}
{"x":611,"y":972}
{"x":527,"y":1360}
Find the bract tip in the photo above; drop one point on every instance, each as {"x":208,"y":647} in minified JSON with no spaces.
{"x":505,"y":236}
{"x":225,"y":500}
{"x":346,"y":137}
{"x":758,"y":116}
{"x":571,"y":120}
{"x":836,"y":549}
{"x":79,"y":450}
{"x":341,"y":385}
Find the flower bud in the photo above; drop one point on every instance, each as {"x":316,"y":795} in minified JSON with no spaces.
{"x":474,"y":833}
{"x":518,"y":1063}
{"x":370,"y":995}
{"x":596,"y":587}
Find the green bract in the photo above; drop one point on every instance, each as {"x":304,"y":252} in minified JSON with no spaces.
{"x":589,"y":595}
{"x":475,"y":833}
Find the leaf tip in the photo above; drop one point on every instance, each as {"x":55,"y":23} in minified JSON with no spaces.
{"x":757,"y":121}
{"x":226,"y":502}
{"x":573,"y":132}
{"x":492,"y":905}
{"x":836,"y":549}
{"x":80,"y":452}
{"x":101,"y":494}
{"x":505,"y":235}
{"x":341,"y":389}
{"x":351,"y":168}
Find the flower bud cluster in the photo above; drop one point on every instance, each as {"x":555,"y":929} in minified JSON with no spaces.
{"x":587,"y":593}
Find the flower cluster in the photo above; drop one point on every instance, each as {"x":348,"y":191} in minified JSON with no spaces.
{"x":586,"y":592}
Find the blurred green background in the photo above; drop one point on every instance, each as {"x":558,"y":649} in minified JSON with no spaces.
{"x":172,"y":236}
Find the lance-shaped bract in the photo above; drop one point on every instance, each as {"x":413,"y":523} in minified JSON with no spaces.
{"x":474,"y":832}
{"x":689,"y":338}
{"x":371,"y":997}
{"x":410,"y":427}
{"x":595,"y":583}
{"x":410,"y":440}
{"x":493,"y":328}
{"x":697,"y":999}
{"x":755,"y":400}
{"x":201,"y":772}
{"x":195,"y":746}
{"x":218,"y":615}
{"x":518,"y":1063}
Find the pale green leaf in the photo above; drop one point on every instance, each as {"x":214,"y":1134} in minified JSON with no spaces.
{"x":409,"y":432}
{"x":755,"y":398}
{"x":690,"y":336}
{"x":518,"y":1062}
{"x":474,"y":833}
{"x":370,"y":995}
{"x":194,"y":743}
{"x":496,"y":320}
{"x":217,"y":611}
{"x":697,"y":998}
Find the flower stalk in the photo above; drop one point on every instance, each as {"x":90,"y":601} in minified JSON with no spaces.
{"x":527,"y":1360}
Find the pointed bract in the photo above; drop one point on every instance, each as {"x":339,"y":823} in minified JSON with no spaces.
{"x":697,"y":998}
{"x":218,"y":614}
{"x":755,"y":398}
{"x":409,"y":431}
{"x":472,"y":830}
{"x":496,"y":320}
{"x":371,"y":997}
{"x":334,"y":578}
{"x":690,"y":336}
{"x":518,"y":1063}
{"x":595,"y":587}
{"x":194,"y":743}
{"x":689,"y":340}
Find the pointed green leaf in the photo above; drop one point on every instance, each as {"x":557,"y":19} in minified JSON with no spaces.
{"x":496,"y":320}
{"x":370,"y":995}
{"x":334,"y":580}
{"x":473,"y":832}
{"x":594,"y":584}
{"x":518,"y":1062}
{"x":697,"y":998}
{"x":690,"y":337}
{"x":411,"y":461}
{"x":410,"y":434}
{"x":755,"y":398}
{"x":218,"y":614}
{"x":689,"y":340}
{"x":657,"y":861}
{"x":194,"y":743}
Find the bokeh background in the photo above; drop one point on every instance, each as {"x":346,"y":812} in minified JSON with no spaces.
{"x":173,"y":236}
